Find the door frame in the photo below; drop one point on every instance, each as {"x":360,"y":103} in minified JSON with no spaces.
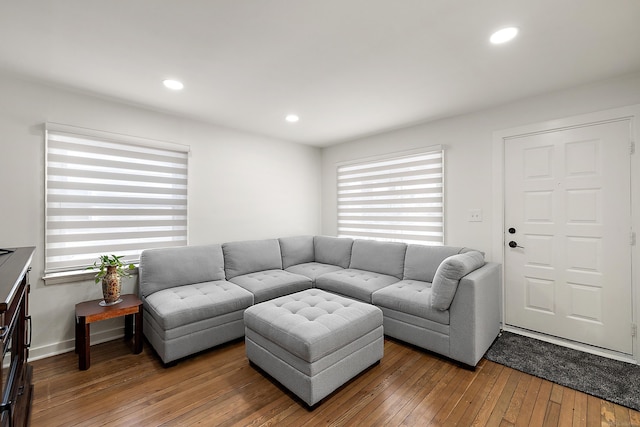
{"x":500,"y":138}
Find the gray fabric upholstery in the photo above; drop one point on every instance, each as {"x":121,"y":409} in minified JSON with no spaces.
{"x":314,"y":368}
{"x":333,"y":250}
{"x":265,"y":285}
{"x":409,"y":328}
{"x":189,"y":339}
{"x":412,"y":297}
{"x":354,"y":283}
{"x":313,"y":269}
{"x":312,"y":323}
{"x":296,"y":250}
{"x":378,"y":257}
{"x":475,"y":314}
{"x":421,"y":261}
{"x":315,"y":388}
{"x":251,"y":256}
{"x":417,"y":321}
{"x":449,"y":273}
{"x":185,"y":265}
{"x":313,"y":341}
{"x":188,"y":307}
{"x":187,"y":304}
{"x":192,"y":328}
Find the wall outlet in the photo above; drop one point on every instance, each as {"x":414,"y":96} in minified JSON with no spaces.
{"x":475,"y":215}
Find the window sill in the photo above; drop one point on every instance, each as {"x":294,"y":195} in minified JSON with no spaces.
{"x":74,"y":276}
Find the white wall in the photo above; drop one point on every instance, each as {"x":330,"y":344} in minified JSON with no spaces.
{"x":244,"y":186}
{"x":468,"y":155}
{"x":241,"y":186}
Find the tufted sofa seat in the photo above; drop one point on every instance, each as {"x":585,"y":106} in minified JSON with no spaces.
{"x":373,"y":266}
{"x":411,"y":297}
{"x":443,"y":299}
{"x":315,"y":257}
{"x":188,"y":305}
{"x":184,"y":305}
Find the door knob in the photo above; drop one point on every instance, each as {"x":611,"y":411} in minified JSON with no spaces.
{"x":513,"y":244}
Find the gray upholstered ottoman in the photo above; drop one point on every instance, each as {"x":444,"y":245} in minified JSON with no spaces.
{"x":313,"y":341}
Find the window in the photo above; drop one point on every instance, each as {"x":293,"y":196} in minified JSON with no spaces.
{"x":399,"y":198}
{"x":110,"y":194}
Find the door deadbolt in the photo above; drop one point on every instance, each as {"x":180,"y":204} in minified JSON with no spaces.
{"x":512,"y":230}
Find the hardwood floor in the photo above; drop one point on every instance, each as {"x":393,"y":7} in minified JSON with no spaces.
{"x":219,"y":388}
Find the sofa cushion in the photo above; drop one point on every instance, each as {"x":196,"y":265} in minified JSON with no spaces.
{"x":333,"y":250}
{"x":379,"y":257}
{"x":354,"y":283}
{"x":251,"y":256}
{"x":411,"y":297}
{"x":269,"y":284}
{"x":448,"y":275}
{"x":296,"y":250}
{"x":184,"y":305}
{"x":313,"y":269}
{"x":421,"y":261}
{"x":184,"y":265}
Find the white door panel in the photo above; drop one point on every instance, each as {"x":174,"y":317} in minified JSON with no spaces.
{"x":568,"y":196}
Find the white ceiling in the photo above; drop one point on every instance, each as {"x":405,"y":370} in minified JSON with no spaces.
{"x":349,"y":68}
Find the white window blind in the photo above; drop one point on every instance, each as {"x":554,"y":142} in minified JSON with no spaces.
{"x":109,"y":196}
{"x":394,"y":199}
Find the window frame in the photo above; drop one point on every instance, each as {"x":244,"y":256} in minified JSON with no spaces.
{"x":182,"y":152}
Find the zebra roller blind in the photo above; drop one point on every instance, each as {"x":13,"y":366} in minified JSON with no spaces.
{"x":105,"y":195}
{"x":399,"y":198}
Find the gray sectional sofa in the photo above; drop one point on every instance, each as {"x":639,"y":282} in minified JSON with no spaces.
{"x":441,"y":298}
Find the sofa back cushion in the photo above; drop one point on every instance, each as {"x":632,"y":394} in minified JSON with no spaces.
{"x":250,"y":256}
{"x":421,"y":261}
{"x":379,"y":257}
{"x":296,"y":250}
{"x":448,"y":275}
{"x":185,"y":265}
{"x":333,"y":250}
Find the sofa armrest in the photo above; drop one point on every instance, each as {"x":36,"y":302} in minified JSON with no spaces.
{"x":475,"y":314}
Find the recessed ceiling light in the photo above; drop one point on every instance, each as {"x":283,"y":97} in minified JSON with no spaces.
{"x":292,"y":118}
{"x":173,"y":84}
{"x":504,"y":35}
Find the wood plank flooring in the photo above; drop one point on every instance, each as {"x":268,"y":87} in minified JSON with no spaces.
{"x":409,"y":387}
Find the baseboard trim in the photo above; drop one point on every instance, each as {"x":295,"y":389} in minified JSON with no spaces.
{"x":42,"y":352}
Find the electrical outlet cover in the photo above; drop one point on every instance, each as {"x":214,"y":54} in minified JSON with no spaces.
{"x":475,"y":215}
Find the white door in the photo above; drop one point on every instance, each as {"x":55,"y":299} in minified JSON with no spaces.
{"x":568,"y":210}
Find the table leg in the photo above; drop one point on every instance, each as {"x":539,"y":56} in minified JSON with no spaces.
{"x":77,"y":335}
{"x":138,"y":333}
{"x":83,"y":334}
{"x":128,"y":327}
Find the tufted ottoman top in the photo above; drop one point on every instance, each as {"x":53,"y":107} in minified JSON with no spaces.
{"x":312,"y":323}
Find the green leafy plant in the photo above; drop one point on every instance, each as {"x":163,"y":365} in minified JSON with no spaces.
{"x":110,"y":261}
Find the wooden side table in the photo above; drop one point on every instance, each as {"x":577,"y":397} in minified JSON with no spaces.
{"x":91,"y":311}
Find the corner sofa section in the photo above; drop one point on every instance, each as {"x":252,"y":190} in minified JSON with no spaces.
{"x":256,"y":266}
{"x":443,"y":299}
{"x":188,"y":305}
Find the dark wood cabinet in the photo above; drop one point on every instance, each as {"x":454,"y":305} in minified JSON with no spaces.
{"x":15,"y":334}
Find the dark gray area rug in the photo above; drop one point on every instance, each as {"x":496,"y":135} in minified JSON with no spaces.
{"x":609,"y":379}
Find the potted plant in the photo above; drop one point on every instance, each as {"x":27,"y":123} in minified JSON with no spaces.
{"x":111,"y":269}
